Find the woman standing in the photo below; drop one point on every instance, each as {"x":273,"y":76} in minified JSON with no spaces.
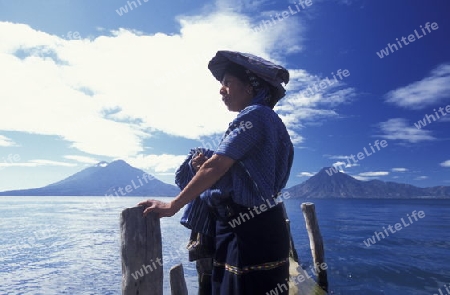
{"x":253,"y":162}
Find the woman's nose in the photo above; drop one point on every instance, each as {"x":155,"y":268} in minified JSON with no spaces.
{"x":222,"y":90}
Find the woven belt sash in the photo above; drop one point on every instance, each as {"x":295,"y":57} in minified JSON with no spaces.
{"x":246,"y":269}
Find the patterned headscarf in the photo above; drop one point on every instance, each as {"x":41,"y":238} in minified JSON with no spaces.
{"x":254,"y":80}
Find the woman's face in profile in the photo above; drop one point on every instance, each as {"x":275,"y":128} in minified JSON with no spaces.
{"x":235,"y":94}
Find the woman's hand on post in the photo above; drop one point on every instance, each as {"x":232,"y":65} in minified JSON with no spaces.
{"x":161,"y":208}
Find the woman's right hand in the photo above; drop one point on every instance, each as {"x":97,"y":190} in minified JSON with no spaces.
{"x":161,"y":208}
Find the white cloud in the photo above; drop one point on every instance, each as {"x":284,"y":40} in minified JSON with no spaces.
{"x":157,"y":163}
{"x":82,"y":159}
{"x":399,"y":129}
{"x":36,"y":163}
{"x":423,"y":177}
{"x":349,"y":165}
{"x":5,"y":141}
{"x":374,"y":174}
{"x":40,"y":162}
{"x":361,"y":178}
{"x":338,"y":157}
{"x":424,"y":93}
{"x":45,"y":98}
{"x":445,"y":164}
{"x":341,"y":164}
{"x":399,"y":169}
{"x":107,"y":95}
{"x":300,"y":96}
{"x":338,"y":164}
{"x":301,"y":107}
{"x":305,"y":174}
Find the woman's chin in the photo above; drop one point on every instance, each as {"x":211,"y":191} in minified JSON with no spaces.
{"x":229,"y":107}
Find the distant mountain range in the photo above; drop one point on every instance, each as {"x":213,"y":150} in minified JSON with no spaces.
{"x":117,"y":178}
{"x":328,"y":183}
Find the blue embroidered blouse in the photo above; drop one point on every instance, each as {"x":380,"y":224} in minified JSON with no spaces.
{"x":258,"y":140}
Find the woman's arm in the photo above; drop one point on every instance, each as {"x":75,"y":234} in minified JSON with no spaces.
{"x":208,"y":174}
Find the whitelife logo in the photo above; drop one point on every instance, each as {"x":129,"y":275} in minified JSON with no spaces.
{"x":411,"y":38}
{"x":423,"y":123}
{"x":398,"y":227}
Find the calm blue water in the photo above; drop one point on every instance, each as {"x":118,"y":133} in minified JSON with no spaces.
{"x":66,"y":245}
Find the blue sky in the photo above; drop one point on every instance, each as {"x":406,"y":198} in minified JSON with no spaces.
{"x":89,"y":81}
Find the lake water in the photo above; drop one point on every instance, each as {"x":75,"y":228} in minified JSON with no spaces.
{"x":70,"y":245}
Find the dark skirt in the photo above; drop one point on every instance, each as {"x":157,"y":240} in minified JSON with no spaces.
{"x":251,"y":257}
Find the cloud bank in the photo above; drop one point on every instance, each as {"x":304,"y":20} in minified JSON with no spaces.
{"x":106,"y":95}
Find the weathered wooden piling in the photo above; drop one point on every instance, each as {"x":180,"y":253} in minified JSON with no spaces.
{"x":177,"y":281}
{"x":141,"y":250}
{"x":316,"y":244}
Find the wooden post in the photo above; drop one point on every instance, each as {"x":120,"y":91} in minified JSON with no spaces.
{"x":177,"y":281}
{"x":316,"y":244}
{"x":142,"y":271}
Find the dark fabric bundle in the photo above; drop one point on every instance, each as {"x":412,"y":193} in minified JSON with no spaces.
{"x":197,"y":215}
